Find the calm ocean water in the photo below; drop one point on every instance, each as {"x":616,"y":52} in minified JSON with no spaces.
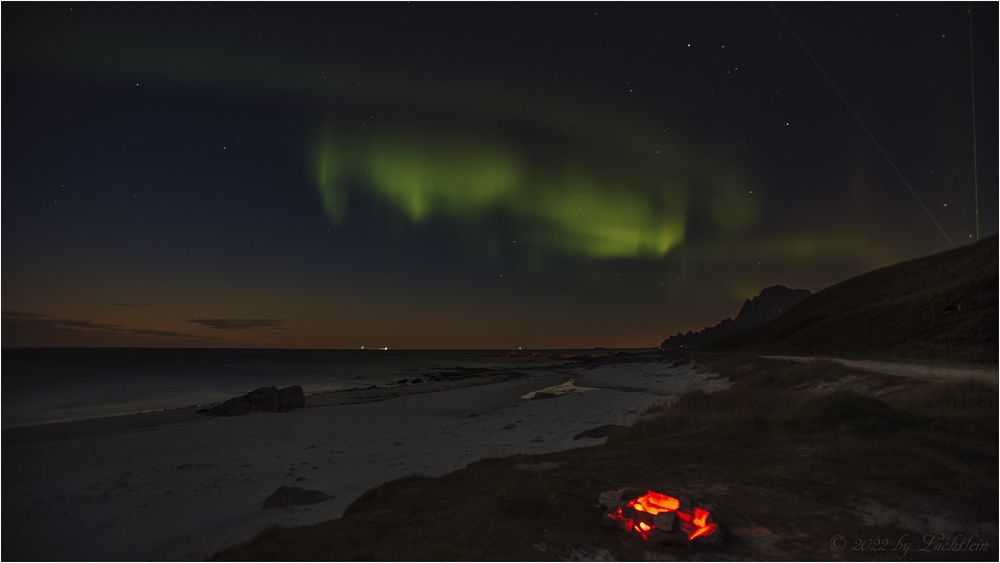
{"x":69,"y":384}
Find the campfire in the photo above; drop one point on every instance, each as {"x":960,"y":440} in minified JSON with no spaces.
{"x":658,"y":518}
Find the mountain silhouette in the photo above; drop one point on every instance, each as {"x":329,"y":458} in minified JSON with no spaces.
{"x":769,"y":305}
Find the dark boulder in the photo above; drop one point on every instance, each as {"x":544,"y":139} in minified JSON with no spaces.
{"x":233,"y":407}
{"x":294,"y":496}
{"x":291,"y":398}
{"x":265,"y":399}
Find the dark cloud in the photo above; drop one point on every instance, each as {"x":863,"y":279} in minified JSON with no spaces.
{"x":130,"y":304}
{"x":21,"y":315}
{"x":241,"y":324}
{"x":40,"y":321}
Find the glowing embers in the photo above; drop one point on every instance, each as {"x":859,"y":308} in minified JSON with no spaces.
{"x":657,"y":517}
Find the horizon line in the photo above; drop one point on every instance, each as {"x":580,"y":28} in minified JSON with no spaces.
{"x":329,"y":349}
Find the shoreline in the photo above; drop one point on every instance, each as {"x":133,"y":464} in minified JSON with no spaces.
{"x":439,"y":379}
{"x":179,"y":485}
{"x":59,"y":429}
{"x":422,"y":375}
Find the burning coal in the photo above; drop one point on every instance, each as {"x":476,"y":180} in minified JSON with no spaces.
{"x":658,"y":518}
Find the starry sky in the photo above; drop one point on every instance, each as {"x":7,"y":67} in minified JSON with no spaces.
{"x":474,"y":175}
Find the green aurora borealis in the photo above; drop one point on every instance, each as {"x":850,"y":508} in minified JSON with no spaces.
{"x":564,"y":206}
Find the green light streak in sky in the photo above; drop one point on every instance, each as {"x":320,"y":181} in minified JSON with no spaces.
{"x":597,"y":218}
{"x":328,"y":164}
{"x":429,"y":181}
{"x":563,"y":208}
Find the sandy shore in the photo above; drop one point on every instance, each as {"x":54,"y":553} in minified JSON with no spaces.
{"x":179,"y":485}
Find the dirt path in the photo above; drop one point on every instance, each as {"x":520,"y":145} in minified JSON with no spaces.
{"x":988,"y":375}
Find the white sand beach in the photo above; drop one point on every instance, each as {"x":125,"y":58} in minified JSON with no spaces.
{"x":180,"y":485}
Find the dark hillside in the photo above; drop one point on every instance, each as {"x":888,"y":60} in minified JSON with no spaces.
{"x":939,"y":307}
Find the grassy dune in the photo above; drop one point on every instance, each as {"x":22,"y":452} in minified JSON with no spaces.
{"x":789,"y":457}
{"x":939,"y":308}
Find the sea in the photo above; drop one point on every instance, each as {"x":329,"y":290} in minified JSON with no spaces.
{"x":54,"y":385}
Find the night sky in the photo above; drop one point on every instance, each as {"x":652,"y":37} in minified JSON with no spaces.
{"x":473,"y":175}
